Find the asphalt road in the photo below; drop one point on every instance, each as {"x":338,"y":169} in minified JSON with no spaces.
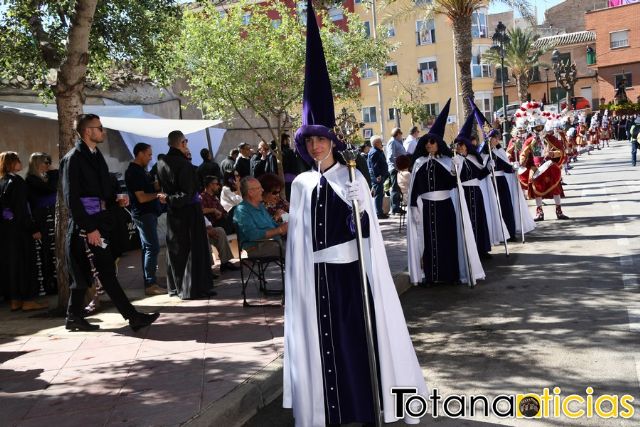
{"x":562,"y":311}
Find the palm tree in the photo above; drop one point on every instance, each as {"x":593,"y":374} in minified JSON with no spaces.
{"x":460,"y":13}
{"x":521,"y":57}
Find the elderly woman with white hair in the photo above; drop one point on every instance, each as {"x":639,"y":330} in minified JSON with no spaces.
{"x":379,"y":173}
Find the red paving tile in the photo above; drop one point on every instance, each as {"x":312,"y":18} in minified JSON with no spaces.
{"x":195,"y":354}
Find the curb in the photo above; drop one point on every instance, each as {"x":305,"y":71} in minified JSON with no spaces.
{"x":242,"y":403}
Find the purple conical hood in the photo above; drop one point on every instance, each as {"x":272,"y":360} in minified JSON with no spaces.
{"x":466,"y":129}
{"x":437,"y":130}
{"x":318,"y":114}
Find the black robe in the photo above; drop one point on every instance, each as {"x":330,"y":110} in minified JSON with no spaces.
{"x":504,"y":194}
{"x":440,"y":257}
{"x":475,"y":204}
{"x":16,"y":228}
{"x":188,"y":252}
{"x":42,"y":200}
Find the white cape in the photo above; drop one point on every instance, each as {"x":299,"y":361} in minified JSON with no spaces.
{"x":415,"y":232}
{"x":520,"y":208}
{"x":303,"y":382}
{"x":490,"y":198}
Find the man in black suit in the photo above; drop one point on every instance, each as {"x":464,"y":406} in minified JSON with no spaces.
{"x":91,"y":199}
{"x":243,"y":162}
{"x":189,"y":260}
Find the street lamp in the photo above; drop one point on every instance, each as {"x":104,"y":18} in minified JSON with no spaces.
{"x":546,"y":78}
{"x":555,"y":60}
{"x":500,"y":39}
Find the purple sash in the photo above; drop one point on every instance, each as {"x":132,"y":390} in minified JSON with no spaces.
{"x":7,"y":214}
{"x":45,"y":201}
{"x":196,"y":199}
{"x":92,"y":205}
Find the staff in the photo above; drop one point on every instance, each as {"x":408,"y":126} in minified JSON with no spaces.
{"x":350,"y":156}
{"x":472,"y":280}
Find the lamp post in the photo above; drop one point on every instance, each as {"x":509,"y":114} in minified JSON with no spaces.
{"x":546,"y":78}
{"x":500,"y":39}
{"x":555,"y":60}
{"x":378,"y":82}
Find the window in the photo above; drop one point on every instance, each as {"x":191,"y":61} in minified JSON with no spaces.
{"x":391,"y":69}
{"x":497,"y":102}
{"x":391,"y":30}
{"x":479,"y":24}
{"x":246,"y":18}
{"x":564,"y":58}
{"x":335,"y":14}
{"x":392,"y":113}
{"x":367,"y":28}
{"x":535,"y":74}
{"x":275,"y":23}
{"x":502,"y":74}
{"x":478,"y":67}
{"x":627,"y":78}
{"x":366,"y":72}
{"x":431,"y":110}
{"x":369,"y":115}
{"x":425,"y":32}
{"x":619,"y":39}
{"x":301,"y":9}
{"x":483,"y":101}
{"x":558,"y":93}
{"x":428,"y":70}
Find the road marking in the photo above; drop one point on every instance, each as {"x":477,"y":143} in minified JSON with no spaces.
{"x":623,"y":241}
{"x":615,"y":206}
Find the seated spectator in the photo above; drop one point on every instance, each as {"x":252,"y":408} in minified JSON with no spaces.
{"x":230,"y":195}
{"x":212,"y":208}
{"x":403,"y":163}
{"x":253,"y":222}
{"x":218,"y":238}
{"x":271,"y":196}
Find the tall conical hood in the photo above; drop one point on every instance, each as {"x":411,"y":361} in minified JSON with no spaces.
{"x":466,"y":129}
{"x":436,"y":132}
{"x":318,"y":115}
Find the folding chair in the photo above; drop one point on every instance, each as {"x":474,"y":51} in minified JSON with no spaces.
{"x":257,"y":267}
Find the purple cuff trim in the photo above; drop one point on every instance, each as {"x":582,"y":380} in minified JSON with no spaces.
{"x":92,"y":205}
{"x":7,"y":214}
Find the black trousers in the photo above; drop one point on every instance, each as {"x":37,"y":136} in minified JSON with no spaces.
{"x":81,"y":274}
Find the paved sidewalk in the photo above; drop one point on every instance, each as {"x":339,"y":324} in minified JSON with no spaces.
{"x":210,"y":362}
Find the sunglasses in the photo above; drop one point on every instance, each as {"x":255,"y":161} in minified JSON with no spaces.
{"x":100,"y":128}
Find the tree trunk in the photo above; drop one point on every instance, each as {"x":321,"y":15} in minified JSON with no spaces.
{"x":523,"y":88}
{"x":463,"y":42}
{"x":69,"y":92}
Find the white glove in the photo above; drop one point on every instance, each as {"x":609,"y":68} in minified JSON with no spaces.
{"x":491,"y":164}
{"x":355,"y":192}
{"x":415,"y":214}
{"x":458,"y":161}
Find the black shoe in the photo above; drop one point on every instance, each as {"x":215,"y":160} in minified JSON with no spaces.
{"x":485,"y":255}
{"x":140,"y":320}
{"x":383,"y":216}
{"x":228,"y":266}
{"x":78,"y":323}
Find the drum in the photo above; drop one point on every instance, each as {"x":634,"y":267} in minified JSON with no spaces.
{"x":546,"y":178}
{"x":523,"y":177}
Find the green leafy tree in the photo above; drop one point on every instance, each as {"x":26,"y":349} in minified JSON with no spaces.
{"x":410,"y":101}
{"x":521,"y":57}
{"x":250,"y":60}
{"x":459,"y":14}
{"x":57,"y":45}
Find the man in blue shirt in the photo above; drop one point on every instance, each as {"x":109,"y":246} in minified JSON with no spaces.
{"x":378,"y":172}
{"x":253,"y":222}
{"x":393,"y":150}
{"x":144,"y":210}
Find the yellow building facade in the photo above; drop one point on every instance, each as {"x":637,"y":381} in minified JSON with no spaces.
{"x":422,"y":67}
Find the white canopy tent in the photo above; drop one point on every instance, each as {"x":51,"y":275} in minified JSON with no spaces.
{"x":135,"y":125}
